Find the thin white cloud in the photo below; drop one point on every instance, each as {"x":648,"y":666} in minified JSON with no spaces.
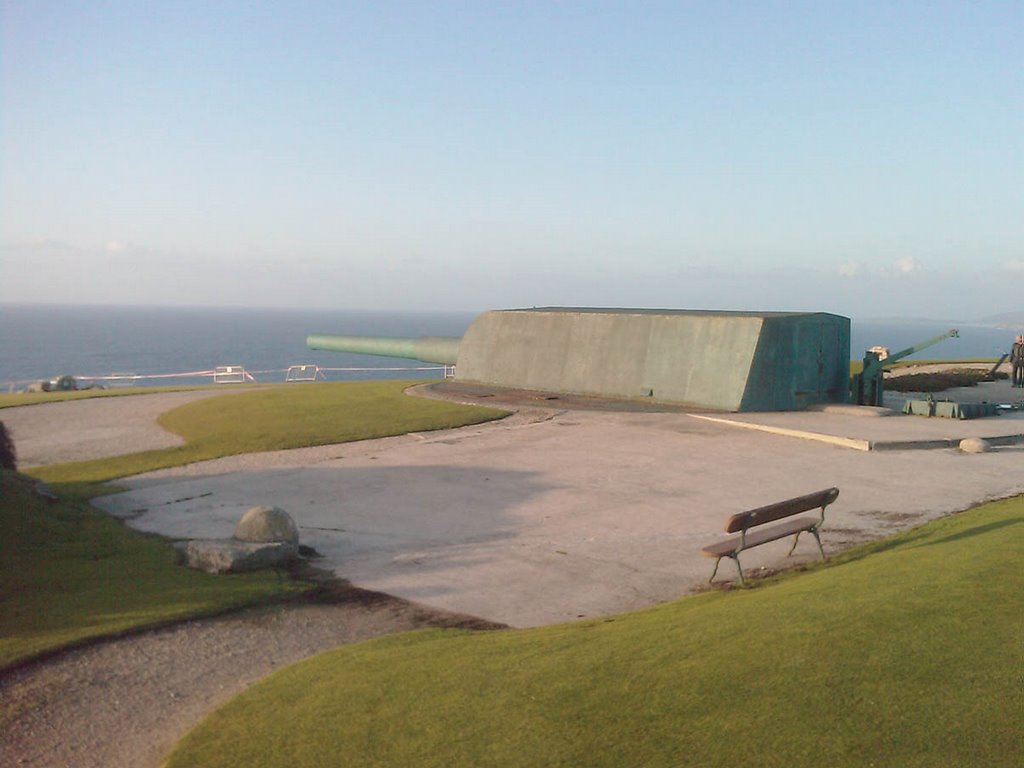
{"x":851,"y":269}
{"x":1014,"y":265}
{"x":907,"y":265}
{"x":37,"y":245}
{"x":124,"y":247}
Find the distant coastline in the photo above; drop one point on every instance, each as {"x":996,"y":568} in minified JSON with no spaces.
{"x":41,"y":341}
{"x":1004,"y":320}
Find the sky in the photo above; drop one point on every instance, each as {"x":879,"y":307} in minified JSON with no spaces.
{"x":863,"y":158}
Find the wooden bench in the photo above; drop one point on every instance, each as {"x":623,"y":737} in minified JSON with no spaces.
{"x":742,"y":523}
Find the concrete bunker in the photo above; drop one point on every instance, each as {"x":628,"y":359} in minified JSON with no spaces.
{"x":730,"y":361}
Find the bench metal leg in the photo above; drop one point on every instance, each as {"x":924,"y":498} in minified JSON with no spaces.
{"x":796,"y":540}
{"x":817,"y":538}
{"x":738,"y":569}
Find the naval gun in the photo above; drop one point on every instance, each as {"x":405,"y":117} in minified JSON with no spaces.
{"x":430,"y":349}
{"x":867,"y":386}
{"x":721,"y":360}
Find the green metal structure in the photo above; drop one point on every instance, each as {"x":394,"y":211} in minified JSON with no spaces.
{"x":429,"y":349}
{"x":948,"y":409}
{"x":868,"y":385}
{"x":731,"y":361}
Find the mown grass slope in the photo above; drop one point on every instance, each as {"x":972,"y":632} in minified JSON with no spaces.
{"x":909,"y":652}
{"x":276,"y":418}
{"x":17,"y":399}
{"x":69,"y":573}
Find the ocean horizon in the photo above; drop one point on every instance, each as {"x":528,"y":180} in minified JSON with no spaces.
{"x":39,"y":342}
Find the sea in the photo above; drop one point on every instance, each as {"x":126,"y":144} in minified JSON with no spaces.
{"x":184,"y":345}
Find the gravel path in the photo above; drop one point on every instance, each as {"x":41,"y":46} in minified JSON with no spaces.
{"x":126,"y":702}
{"x":78,"y":430}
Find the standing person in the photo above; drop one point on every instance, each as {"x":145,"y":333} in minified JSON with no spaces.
{"x":1017,"y":362}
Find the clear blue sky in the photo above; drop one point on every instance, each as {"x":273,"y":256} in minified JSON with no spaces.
{"x":859,"y":157}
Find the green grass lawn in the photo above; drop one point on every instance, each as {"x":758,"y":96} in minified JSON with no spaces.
{"x":274,"y":418}
{"x":15,"y":399}
{"x":907,"y":652}
{"x":69,"y":573}
{"x":856,"y":366}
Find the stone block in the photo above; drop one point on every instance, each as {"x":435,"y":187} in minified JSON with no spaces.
{"x":974,"y":445}
{"x":263,"y":524}
{"x":230,"y":556}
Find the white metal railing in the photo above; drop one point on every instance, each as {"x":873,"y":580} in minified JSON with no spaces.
{"x":232,"y":374}
{"x":304,"y":373}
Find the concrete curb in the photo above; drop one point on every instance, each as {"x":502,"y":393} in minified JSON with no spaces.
{"x":843,"y":442}
{"x":858,"y":444}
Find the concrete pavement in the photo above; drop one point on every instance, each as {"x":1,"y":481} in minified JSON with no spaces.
{"x":555,"y":514}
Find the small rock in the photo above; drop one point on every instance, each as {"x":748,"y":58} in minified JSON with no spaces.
{"x":43,"y":490}
{"x":267,"y":524}
{"x":975,"y":445}
{"x":229,"y":556}
{"x":308,"y":551}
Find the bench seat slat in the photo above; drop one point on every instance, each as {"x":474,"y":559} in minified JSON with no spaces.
{"x":730,"y":547}
{"x":781,"y":509}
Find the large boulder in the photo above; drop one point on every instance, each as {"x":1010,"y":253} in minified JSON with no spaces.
{"x":975,"y":445}
{"x":265,"y":537}
{"x":265,"y":524}
{"x":8,"y":456}
{"x":230,"y":556}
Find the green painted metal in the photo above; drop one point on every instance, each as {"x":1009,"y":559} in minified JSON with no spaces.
{"x":948,"y":409}
{"x":732,"y":361}
{"x":919,"y":407}
{"x":429,"y":349}
{"x":978,"y":410}
{"x":868,"y":385}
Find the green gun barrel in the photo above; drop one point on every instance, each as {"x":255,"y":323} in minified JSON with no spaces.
{"x":429,"y":349}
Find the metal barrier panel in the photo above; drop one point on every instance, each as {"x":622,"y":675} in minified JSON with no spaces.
{"x":303,"y":373}
{"x":230,"y":374}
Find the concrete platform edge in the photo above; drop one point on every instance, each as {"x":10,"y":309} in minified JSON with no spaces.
{"x":842,"y":442}
{"x":864,"y":445}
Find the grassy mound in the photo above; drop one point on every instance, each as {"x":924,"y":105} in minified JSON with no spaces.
{"x":70,"y":573}
{"x":16,"y":399}
{"x":902,"y":653}
{"x":276,"y":418}
{"x":939,"y":381}
{"x":8,"y":456}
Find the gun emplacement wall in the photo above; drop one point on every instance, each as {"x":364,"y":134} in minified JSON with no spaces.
{"x":732,"y":361}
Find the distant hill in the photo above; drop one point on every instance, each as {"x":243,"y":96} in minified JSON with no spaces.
{"x":1004,"y":320}
{"x":893,"y":319}
{"x":1010,"y":320}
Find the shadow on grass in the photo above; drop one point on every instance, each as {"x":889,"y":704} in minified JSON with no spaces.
{"x":977,"y":530}
{"x":766,"y":576}
{"x":922,"y":536}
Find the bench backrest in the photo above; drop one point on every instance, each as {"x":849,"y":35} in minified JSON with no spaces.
{"x":781,"y":509}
